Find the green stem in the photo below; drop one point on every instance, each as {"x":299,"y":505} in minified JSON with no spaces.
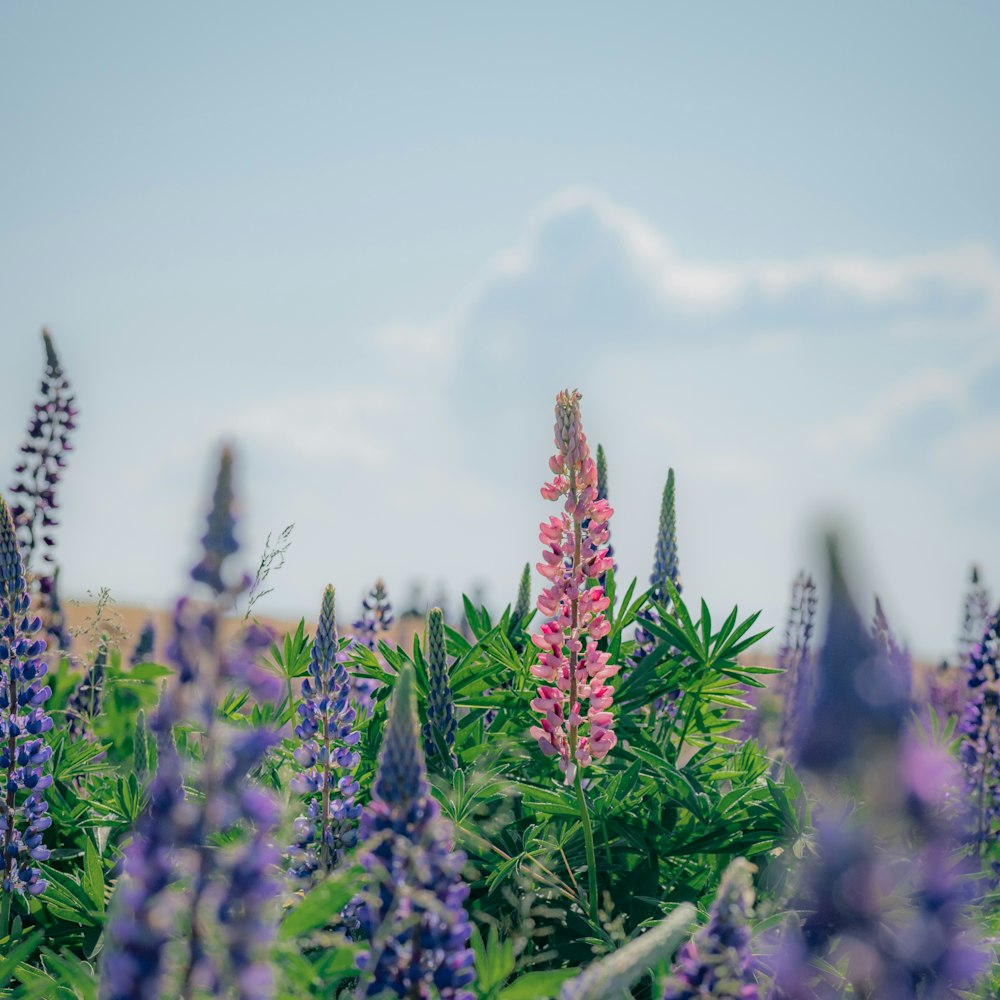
{"x":289,"y":697}
{"x":5,"y":913}
{"x":588,"y":836}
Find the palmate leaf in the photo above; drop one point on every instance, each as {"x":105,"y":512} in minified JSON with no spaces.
{"x":14,"y":952}
{"x":494,"y":962}
{"x":537,"y":985}
{"x":322,"y":904}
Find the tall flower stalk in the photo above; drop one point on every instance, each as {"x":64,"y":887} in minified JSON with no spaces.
{"x":665,"y":567}
{"x":570,"y":661}
{"x":84,"y":704}
{"x":439,"y":732}
{"x":326,"y":754}
{"x":602,"y":494}
{"x":218,"y":846}
{"x":522,"y":605}
{"x":794,"y":659}
{"x":976,"y":608}
{"x":37,"y":476}
{"x":144,"y":645}
{"x":375,"y":623}
{"x":412,"y":916}
{"x":980,"y":729}
{"x":23,"y":723}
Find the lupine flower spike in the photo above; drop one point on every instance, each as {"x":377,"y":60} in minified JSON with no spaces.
{"x":717,"y":962}
{"x":84,"y":704}
{"x":794,"y":659}
{"x":145,"y":644}
{"x":576,"y":698}
{"x":602,"y":494}
{"x":374,"y":624}
{"x":439,"y":732}
{"x":23,"y":724}
{"x":412,"y":917}
{"x":522,"y":606}
{"x":326,"y":755}
{"x":980,"y":729}
{"x":140,"y":746}
{"x":223,"y":917}
{"x":665,"y":567}
{"x":976,"y":610}
{"x":38,"y":474}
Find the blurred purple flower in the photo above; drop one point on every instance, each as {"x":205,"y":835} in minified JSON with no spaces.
{"x":219,"y":846}
{"x":717,"y":963}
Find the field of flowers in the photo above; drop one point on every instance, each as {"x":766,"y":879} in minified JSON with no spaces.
{"x":595,"y":795}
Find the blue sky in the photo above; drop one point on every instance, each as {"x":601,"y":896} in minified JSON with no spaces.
{"x":370,"y":244}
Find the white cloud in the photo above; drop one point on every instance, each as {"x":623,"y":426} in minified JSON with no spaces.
{"x":588,"y":267}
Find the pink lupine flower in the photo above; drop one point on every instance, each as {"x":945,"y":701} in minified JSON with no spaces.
{"x":571,"y":666}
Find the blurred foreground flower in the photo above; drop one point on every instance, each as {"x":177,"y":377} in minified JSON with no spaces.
{"x":201,"y":872}
{"x":717,"y":962}
{"x":884,"y":899}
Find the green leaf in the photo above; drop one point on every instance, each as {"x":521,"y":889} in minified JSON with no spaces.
{"x":323,"y":904}
{"x":148,"y":672}
{"x":93,"y":876}
{"x":13,"y":956}
{"x":536,"y":985}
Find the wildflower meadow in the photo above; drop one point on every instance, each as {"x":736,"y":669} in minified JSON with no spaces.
{"x":604,"y":791}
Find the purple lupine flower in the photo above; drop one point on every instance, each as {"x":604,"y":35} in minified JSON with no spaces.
{"x":23,"y":723}
{"x":794,"y":658}
{"x":860,"y":702}
{"x":376,"y":620}
{"x":219,"y":541}
{"x":439,"y":731}
{"x":412,"y":918}
{"x":219,"y":846}
{"x":948,"y":683}
{"x":37,"y":477}
{"x":326,"y":755}
{"x":84,"y":703}
{"x":980,"y":729}
{"x":717,"y":962}
{"x":883,"y":899}
{"x":144,"y":645}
